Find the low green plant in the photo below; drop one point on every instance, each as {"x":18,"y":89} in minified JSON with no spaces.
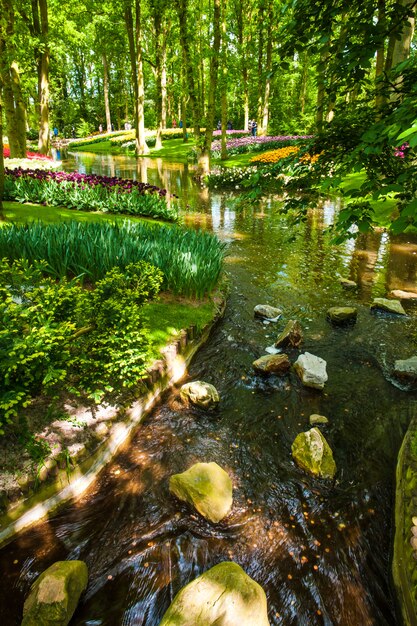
{"x":191,"y":261}
{"x":57,"y":333}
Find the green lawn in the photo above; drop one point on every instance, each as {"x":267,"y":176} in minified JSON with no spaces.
{"x":25,"y":213}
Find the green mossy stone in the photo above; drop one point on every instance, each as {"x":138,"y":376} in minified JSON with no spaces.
{"x":223,"y":596}
{"x":54,"y":595}
{"x":313,"y":454}
{"x":207,"y":487}
{"x":342,"y":314}
{"x":390,"y":306}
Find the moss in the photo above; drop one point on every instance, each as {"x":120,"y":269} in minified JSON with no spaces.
{"x":167,"y":317}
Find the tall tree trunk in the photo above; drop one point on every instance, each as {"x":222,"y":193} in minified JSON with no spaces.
{"x":321,"y":89}
{"x":43,"y":77}
{"x":158,"y":77}
{"x":268,"y":66}
{"x":128,"y":17}
{"x":380,"y":59}
{"x":9,"y":111}
{"x":303,"y":84}
{"x":204,"y":157}
{"x":141,"y":146}
{"x":223,"y":97}
{"x":260,"y":59}
{"x":241,"y":16}
{"x":106,"y":91}
{"x":399,"y":43}
{"x":182,"y":6}
{"x":164,"y":75}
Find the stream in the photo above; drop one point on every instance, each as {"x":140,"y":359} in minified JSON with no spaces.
{"x":320,"y":550}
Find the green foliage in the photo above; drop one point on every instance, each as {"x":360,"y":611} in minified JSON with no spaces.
{"x":56,"y":333}
{"x":191,"y":261}
{"x":83,"y":128}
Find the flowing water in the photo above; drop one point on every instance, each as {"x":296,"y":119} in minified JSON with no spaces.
{"x":320,"y":550}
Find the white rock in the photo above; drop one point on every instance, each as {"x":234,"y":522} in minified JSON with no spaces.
{"x":312,"y":370}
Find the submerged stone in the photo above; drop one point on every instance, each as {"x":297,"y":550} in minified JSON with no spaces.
{"x":267,"y":312}
{"x":223,"y":596}
{"x":406,"y":369}
{"x":313,"y":454}
{"x":316,"y":420}
{"x":200,"y":393}
{"x":348,"y":284}
{"x":403,"y":295}
{"x":390,"y":306}
{"x":54,"y":595}
{"x":312,"y":370}
{"x":277,"y":364}
{"x":292,"y":335}
{"x":340,"y":315}
{"x":207,"y":487}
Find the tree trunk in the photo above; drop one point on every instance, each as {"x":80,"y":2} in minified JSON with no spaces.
{"x":141,"y":146}
{"x":204,"y":157}
{"x":223,"y":98}
{"x":158,"y":78}
{"x":260,"y":60}
{"x":303,"y":85}
{"x":268,"y":66}
{"x":399,"y":44}
{"x":242,"y":17}
{"x":9,"y":111}
{"x":43,"y":78}
{"x":128,"y":17}
{"x":182,"y":6}
{"x":380,"y":60}
{"x":164,"y":76}
{"x":106,"y":92}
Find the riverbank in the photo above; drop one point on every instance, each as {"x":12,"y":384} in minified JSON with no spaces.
{"x":82,"y":439}
{"x":405,"y":541}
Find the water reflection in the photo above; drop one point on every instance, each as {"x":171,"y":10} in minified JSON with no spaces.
{"x":321,"y":551}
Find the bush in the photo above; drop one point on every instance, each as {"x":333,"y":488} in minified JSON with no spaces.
{"x":56,"y":334}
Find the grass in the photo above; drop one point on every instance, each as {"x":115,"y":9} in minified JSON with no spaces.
{"x":26,"y":213}
{"x":190,"y":260}
{"x":170,"y":314}
{"x":102,"y":147}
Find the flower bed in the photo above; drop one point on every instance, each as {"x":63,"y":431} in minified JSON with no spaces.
{"x":217,"y":133}
{"x":29,"y":155}
{"x":273,"y":156}
{"x":241,"y":145}
{"x":88,"y":192}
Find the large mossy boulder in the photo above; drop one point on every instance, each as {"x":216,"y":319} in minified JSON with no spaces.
{"x":277,"y":364}
{"x":207,"y":487}
{"x":312,"y":370}
{"x":341,"y":315}
{"x":313,"y":454}
{"x":291,"y":336}
{"x":223,"y":596}
{"x":54,"y":595}
{"x":200,"y":393}
{"x":389,"y":306}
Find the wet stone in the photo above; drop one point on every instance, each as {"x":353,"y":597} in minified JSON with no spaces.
{"x":54,"y":595}
{"x":317,"y":420}
{"x":277,"y":364}
{"x":200,"y":393}
{"x":311,"y":370}
{"x":406,"y":369}
{"x":348,"y":284}
{"x":313,"y":454}
{"x":340,"y":315}
{"x":224,"y":595}
{"x":389,"y":306}
{"x":264,"y":311}
{"x":207,"y":487}
{"x":291,"y":336}
{"x":403,"y":295}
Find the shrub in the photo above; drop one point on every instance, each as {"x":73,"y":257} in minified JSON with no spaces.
{"x":57,"y":333}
